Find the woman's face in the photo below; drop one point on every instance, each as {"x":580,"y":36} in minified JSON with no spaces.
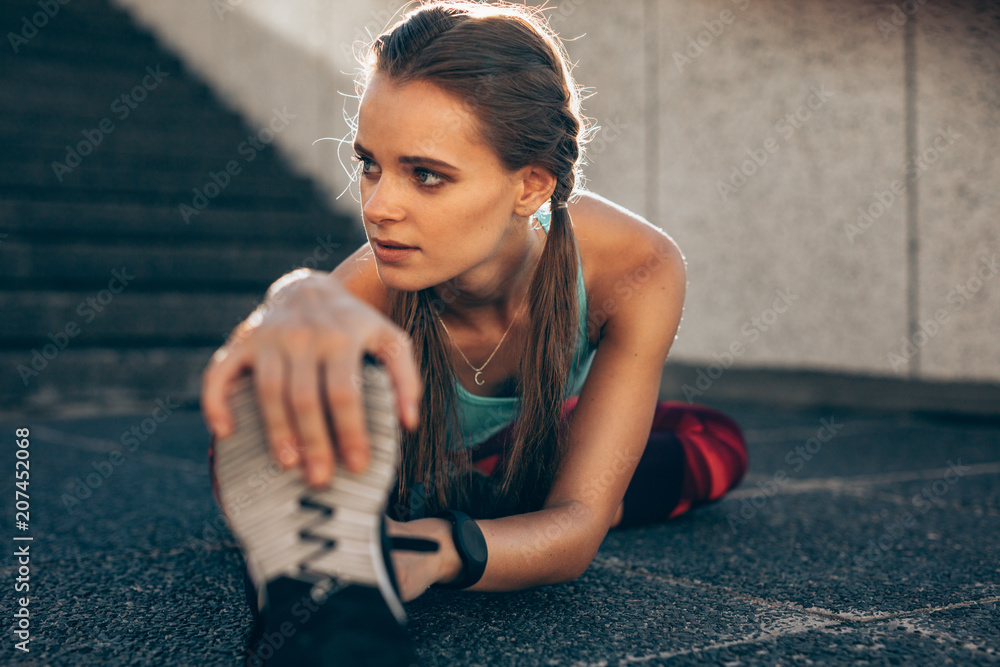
{"x":429,"y":180}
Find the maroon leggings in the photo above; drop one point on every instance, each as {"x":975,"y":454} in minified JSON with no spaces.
{"x":694,"y":455}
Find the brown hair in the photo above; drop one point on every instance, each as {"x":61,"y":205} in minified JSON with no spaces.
{"x":510,"y":69}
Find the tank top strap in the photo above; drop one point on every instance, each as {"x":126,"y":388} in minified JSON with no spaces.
{"x":544,"y":218}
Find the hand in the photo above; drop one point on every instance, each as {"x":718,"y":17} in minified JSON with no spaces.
{"x":417,"y":570}
{"x":304,"y":347}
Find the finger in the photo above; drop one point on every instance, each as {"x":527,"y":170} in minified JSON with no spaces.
{"x":317,"y":450}
{"x":396,"y":354}
{"x":343,"y":395}
{"x":270,"y":386}
{"x":225,"y":367}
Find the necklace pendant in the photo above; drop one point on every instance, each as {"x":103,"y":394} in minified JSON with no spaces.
{"x":478,"y":381}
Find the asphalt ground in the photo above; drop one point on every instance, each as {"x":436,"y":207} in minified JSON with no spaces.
{"x":856,"y":538}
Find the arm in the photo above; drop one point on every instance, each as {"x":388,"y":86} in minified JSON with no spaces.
{"x":641,"y":291}
{"x":534,"y":549}
{"x":517,"y":558}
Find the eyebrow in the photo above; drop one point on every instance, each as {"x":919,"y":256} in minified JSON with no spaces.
{"x":411,"y":159}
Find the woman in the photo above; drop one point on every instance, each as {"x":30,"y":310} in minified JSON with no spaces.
{"x":524,"y":326}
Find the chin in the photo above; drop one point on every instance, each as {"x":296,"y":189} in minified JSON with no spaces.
{"x":400,"y":280}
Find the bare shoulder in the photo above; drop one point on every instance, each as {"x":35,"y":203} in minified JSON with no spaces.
{"x":359,"y":275}
{"x":620,"y":251}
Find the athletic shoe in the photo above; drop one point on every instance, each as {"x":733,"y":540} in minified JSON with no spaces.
{"x":318,"y":560}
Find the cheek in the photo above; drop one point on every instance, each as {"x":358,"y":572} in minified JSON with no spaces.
{"x":446,"y":253}
{"x":365,"y":189}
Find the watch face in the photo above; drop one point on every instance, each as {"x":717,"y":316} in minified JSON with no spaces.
{"x":475,"y":544}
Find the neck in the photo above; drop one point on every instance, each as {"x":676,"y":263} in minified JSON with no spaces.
{"x":493,"y":300}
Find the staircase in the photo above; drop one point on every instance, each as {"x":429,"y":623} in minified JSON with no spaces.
{"x":140,"y":221}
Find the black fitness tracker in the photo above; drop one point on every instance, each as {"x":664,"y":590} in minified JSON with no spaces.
{"x":471,"y":546}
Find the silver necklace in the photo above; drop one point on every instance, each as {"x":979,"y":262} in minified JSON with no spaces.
{"x":479,"y":371}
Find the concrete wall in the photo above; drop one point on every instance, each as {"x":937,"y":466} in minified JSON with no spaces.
{"x":756,"y":134}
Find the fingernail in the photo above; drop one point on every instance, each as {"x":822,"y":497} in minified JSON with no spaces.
{"x":287,"y":457}
{"x":287,"y":453}
{"x":313,"y":473}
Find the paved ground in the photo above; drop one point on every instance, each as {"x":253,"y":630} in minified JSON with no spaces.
{"x":879,"y":546}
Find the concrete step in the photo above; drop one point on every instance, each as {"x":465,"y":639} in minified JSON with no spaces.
{"x":192,"y":265}
{"x":97,"y":102}
{"x":112,"y":222}
{"x":27,"y":126}
{"x":271,"y":198}
{"x":162,"y":112}
{"x":241,"y":180}
{"x":130,"y":157}
{"x":128,"y":319}
{"x":128,"y":73}
{"x":67,"y":20}
{"x":171,"y":151}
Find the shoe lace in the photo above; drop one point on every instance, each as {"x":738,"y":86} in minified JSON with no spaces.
{"x":325,"y":544}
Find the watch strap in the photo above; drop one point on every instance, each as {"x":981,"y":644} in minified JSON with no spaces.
{"x":471,"y":547}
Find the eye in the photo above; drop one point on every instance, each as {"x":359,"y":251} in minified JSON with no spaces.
{"x":428,"y":178}
{"x":368,"y":167}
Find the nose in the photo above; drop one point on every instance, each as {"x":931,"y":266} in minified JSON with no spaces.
{"x":383,"y":202}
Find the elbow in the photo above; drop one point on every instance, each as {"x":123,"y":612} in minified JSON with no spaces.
{"x":576,"y":571}
{"x":580,"y":543}
{"x":563,"y":577}
{"x":575,"y":567}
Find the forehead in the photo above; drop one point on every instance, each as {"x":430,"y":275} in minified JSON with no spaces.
{"x":418,"y":118}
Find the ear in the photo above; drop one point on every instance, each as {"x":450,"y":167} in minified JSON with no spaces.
{"x":535,"y":187}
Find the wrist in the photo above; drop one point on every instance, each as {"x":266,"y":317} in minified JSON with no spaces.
{"x":449,"y":562}
{"x":284,"y":281}
{"x":470,"y":544}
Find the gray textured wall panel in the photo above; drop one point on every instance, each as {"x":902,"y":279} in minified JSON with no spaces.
{"x":813,"y":92}
{"x":616,"y":153}
{"x":958,"y":90}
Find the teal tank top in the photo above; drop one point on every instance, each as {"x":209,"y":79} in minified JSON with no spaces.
{"x":481,"y":417}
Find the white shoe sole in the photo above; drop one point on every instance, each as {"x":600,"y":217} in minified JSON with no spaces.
{"x":329,"y":537}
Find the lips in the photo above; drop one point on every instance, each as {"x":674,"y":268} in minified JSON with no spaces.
{"x":392,"y":244}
